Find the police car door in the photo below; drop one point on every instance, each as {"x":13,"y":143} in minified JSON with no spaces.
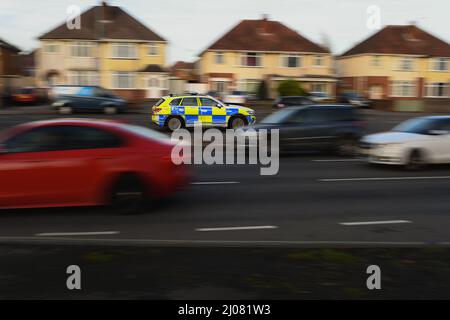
{"x":210,"y":112}
{"x":191,"y":110}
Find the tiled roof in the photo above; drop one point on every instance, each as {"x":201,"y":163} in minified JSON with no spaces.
{"x":107,"y":22}
{"x":407,"y":39}
{"x":265,"y":35}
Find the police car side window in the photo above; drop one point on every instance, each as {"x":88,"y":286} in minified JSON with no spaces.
{"x":191,"y":102}
{"x":207,"y":102}
{"x":175,"y":102}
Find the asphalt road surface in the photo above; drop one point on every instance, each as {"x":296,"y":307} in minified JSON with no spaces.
{"x":314,"y":201}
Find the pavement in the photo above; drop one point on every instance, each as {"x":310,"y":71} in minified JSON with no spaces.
{"x":315,"y":202}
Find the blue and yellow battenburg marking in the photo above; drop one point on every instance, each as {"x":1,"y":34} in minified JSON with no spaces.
{"x":203,"y":114}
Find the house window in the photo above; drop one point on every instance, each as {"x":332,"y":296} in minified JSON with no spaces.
{"x":251,"y":59}
{"x":376,"y":61}
{"x":81,"y":49}
{"x":249,"y":85}
{"x":440,"y":64}
{"x":319,"y":87}
{"x":124,"y":50}
{"x":403,"y":89}
{"x":291,"y":61}
{"x":51,"y":48}
{"x":437,"y":90}
{"x":219,"y":58}
{"x":318,"y":61}
{"x":152,"y":49}
{"x":83,"y":78}
{"x":123,"y":80}
{"x":406,"y":64}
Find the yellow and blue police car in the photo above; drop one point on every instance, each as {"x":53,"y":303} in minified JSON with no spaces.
{"x":174,"y":112}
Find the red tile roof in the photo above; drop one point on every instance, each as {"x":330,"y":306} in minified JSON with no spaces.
{"x":117,"y":24}
{"x":407,"y":39}
{"x":183,"y":65}
{"x":265,"y":35}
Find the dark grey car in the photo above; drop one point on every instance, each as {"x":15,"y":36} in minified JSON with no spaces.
{"x":316,"y":127}
{"x":69,"y":99}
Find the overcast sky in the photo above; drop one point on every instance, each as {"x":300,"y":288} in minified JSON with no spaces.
{"x":192,"y":25}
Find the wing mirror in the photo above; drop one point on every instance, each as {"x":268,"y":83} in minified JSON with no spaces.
{"x":438,"y":132}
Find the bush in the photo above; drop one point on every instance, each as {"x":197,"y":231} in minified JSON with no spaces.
{"x":290,"y":88}
{"x":262,"y":91}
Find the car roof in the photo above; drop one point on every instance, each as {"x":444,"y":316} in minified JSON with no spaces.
{"x":73,"y":121}
{"x":437,"y":117}
{"x":188,"y":96}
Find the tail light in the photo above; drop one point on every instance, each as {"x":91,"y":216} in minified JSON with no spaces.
{"x":156,"y":109}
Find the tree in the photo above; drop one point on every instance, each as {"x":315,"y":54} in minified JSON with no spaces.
{"x":262,"y":90}
{"x":290,"y":88}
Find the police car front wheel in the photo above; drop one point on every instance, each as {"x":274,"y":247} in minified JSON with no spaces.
{"x":237,"y":122}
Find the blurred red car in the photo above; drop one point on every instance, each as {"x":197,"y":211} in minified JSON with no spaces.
{"x":75,"y":162}
{"x":26,"y":96}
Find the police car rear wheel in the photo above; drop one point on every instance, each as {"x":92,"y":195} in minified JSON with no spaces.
{"x":237,"y":123}
{"x":174,"y":124}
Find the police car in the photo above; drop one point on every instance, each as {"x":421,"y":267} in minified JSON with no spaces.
{"x":174,"y":112}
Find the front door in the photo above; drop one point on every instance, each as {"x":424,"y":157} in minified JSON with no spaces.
{"x":376,"y":92}
{"x":191,"y":110}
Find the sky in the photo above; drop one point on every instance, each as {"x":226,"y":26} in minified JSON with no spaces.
{"x":192,"y":25}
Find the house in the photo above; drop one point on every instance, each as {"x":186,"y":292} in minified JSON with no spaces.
{"x":265,"y":50}
{"x":402,"y":64}
{"x":9,"y":68}
{"x":111,"y":48}
{"x":185,"y":78}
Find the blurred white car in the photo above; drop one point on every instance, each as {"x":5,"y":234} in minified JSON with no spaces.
{"x":413,"y":143}
{"x":318,"y":96}
{"x":236,"y":97}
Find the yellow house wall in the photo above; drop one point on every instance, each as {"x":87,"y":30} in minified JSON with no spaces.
{"x":271,"y":64}
{"x":360,"y":66}
{"x":108,"y":65}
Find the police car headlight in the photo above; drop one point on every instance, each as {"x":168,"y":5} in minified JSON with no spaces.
{"x":251,"y":112}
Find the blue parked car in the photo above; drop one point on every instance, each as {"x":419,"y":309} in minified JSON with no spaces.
{"x":69,"y":99}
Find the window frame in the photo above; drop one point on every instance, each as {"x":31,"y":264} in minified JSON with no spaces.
{"x":432,"y":85}
{"x":115,"y":79}
{"x":438,"y":60}
{"x":115,"y":50}
{"x":401,"y":65}
{"x":403,"y":84}
{"x":245,"y":56}
{"x":86,"y":45}
{"x":189,"y":105}
{"x":219,"y":55}
{"x":153,"y":46}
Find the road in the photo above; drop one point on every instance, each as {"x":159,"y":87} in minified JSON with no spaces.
{"x":312,"y":199}
{"x":315,"y":201}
